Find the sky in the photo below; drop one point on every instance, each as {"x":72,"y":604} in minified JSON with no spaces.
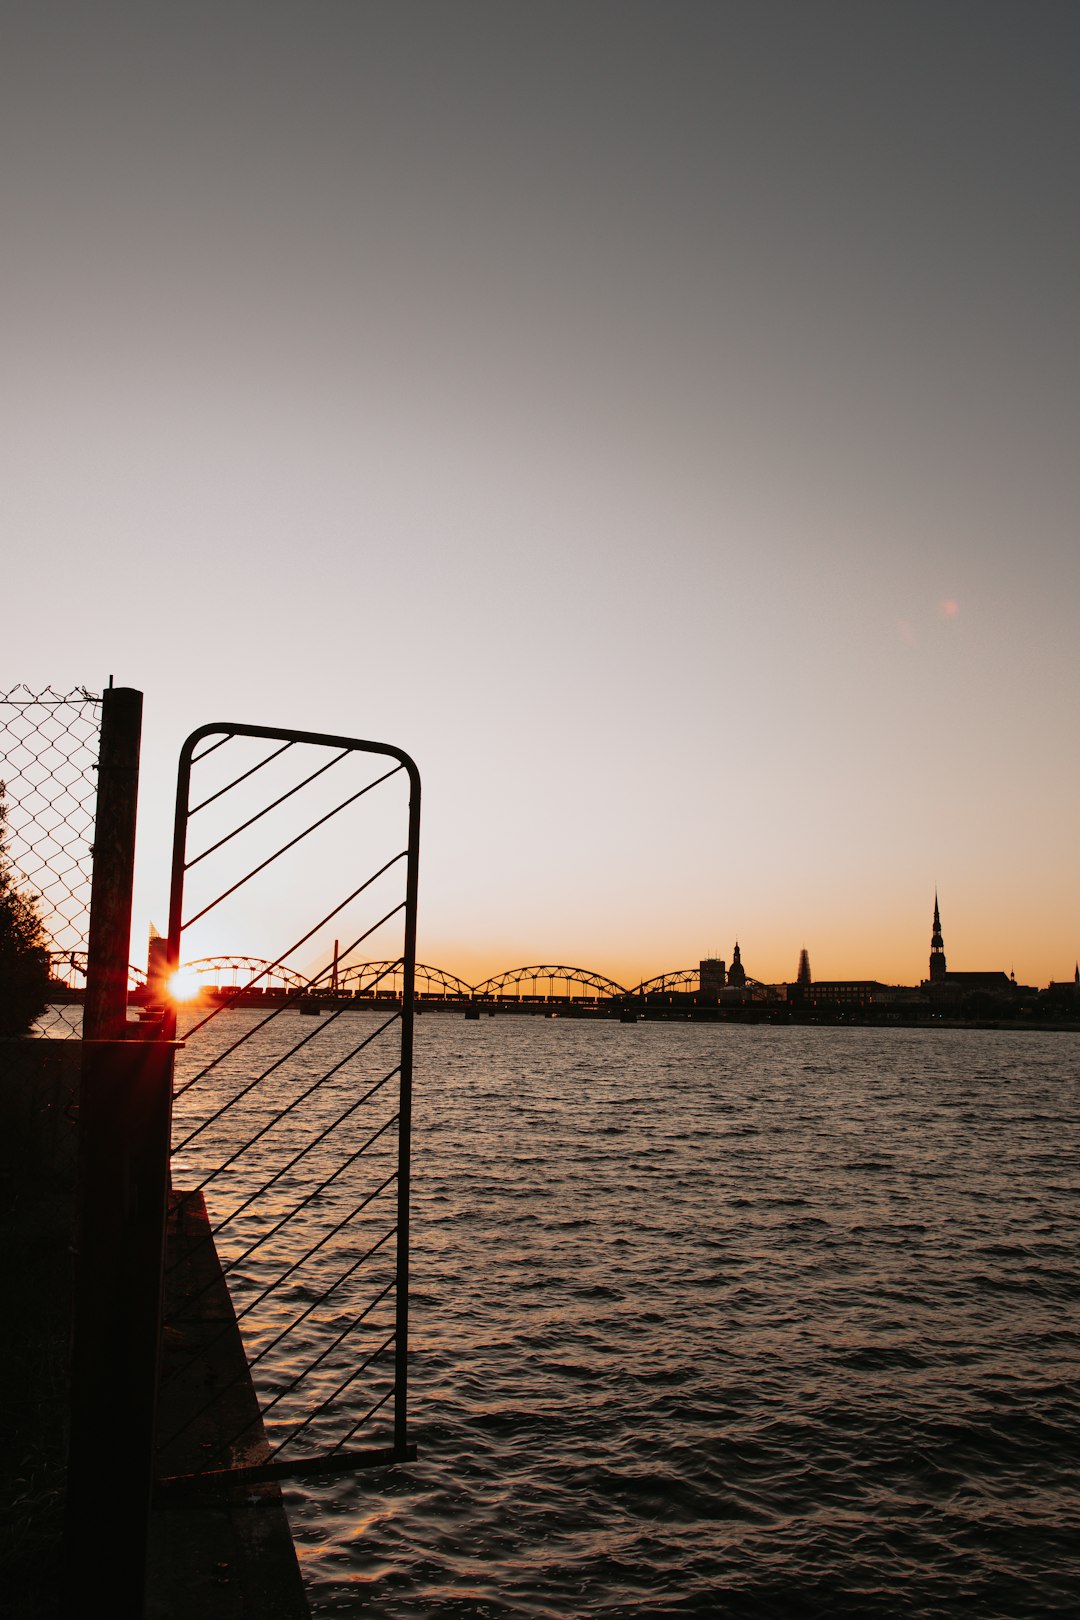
{"x":658,"y":419}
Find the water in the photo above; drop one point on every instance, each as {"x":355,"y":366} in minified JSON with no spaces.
{"x":728,"y":1321}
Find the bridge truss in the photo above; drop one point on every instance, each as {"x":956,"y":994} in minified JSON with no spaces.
{"x":662,"y":983}
{"x":544,"y":981}
{"x":246,"y":973}
{"x":366,"y":978}
{"x":68,"y":968}
{"x":589,"y":985}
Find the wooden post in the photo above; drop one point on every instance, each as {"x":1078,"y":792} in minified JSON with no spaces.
{"x":124,"y":1114}
{"x":124,"y":1111}
{"x":105,"y":1006}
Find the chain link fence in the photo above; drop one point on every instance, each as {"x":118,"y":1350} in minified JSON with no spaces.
{"x":48,"y":770}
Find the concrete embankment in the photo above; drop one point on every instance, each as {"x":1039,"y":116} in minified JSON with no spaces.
{"x":215,"y":1554}
{"x":228,"y":1549}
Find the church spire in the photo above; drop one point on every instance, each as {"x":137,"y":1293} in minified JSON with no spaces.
{"x":937,"y":947}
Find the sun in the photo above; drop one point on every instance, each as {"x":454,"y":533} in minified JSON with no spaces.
{"x":185,"y":984}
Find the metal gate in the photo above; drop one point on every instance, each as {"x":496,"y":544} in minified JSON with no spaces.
{"x":291,"y":1112}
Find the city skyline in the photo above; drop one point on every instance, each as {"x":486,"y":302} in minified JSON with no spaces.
{"x":661,"y":423}
{"x":934,"y":967}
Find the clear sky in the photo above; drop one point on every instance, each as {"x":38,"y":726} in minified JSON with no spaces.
{"x":660,"y":419}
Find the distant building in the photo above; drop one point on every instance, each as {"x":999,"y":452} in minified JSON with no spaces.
{"x":727,"y":984}
{"x":712,"y":976}
{"x":802,"y":977}
{"x":938,"y":967}
{"x":837,"y":992}
{"x":1064,"y":994}
{"x":157,"y":964}
{"x":952,"y":987}
{"x":995,"y":983}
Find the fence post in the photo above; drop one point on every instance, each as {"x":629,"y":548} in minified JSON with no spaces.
{"x":105,"y":1006}
{"x":124,"y":1114}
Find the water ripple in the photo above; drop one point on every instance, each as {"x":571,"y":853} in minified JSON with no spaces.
{"x":729,"y":1322}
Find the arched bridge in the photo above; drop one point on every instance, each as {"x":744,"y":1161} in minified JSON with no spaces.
{"x":683,"y":980}
{"x":662,"y":983}
{"x":539,"y":981}
{"x":542,"y":979}
{"x":367,"y":978}
{"x":67,"y":969}
{"x":246,"y":972}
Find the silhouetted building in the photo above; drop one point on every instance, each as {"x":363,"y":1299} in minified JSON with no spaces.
{"x":712,"y":976}
{"x":156,"y":966}
{"x":937,"y":948}
{"x":997,"y":983}
{"x":736,"y":972}
{"x":826,"y":993}
{"x":1063,"y":994}
{"x":803,"y":975}
{"x":962,"y":990}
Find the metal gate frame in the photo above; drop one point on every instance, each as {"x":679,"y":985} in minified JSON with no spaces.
{"x":400,"y":1450}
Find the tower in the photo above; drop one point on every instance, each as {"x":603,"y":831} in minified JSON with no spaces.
{"x":712,"y":976}
{"x":937,"y":948}
{"x":803,"y":975}
{"x":157,"y":963}
{"x":736,"y":972}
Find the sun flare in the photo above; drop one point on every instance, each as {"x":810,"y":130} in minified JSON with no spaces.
{"x":185,"y":984}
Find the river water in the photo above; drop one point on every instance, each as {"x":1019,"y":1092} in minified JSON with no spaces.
{"x":716,"y":1320}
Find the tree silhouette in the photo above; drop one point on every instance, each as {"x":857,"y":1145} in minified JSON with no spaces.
{"x":24,"y":956}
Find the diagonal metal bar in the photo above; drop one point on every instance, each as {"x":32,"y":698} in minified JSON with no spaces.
{"x":213,"y":1118}
{"x":315,"y":825}
{"x":292,"y":1000}
{"x":359,"y":1424}
{"x":243,"y":827}
{"x":318,"y":1410}
{"x":244,"y":1373}
{"x":228,"y":737}
{"x":259,"y":1242}
{"x":194,"y":809}
{"x":309,"y":1310}
{"x":261,"y":1191}
{"x":316,"y":1192}
{"x":370,"y":1199}
{"x":298,"y":995}
{"x":315,"y":1142}
{"x":294,"y":997}
{"x":296,"y":1265}
{"x":294,"y":1383}
{"x":292,"y":1106}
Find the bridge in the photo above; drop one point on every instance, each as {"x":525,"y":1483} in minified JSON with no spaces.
{"x":536,"y":983}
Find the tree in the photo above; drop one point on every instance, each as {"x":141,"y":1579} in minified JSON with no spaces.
{"x":24,"y":955}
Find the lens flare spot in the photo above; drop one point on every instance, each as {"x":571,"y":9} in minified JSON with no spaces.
{"x":185,"y":984}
